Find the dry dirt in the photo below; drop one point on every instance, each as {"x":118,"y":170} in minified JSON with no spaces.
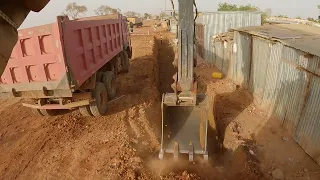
{"x":243,"y":143}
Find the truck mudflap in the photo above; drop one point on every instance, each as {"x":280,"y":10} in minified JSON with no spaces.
{"x":184,"y":129}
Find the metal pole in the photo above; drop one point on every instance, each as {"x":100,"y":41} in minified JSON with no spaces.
{"x":165,"y":6}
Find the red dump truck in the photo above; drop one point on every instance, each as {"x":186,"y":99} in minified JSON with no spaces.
{"x":69,"y":64}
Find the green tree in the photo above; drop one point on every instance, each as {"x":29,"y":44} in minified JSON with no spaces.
{"x":233,"y":7}
{"x":248,"y":7}
{"x":268,"y":11}
{"x":312,"y":20}
{"x":147,"y":16}
{"x":163,"y":15}
{"x":282,"y":16}
{"x":131,"y":14}
{"x":104,"y":10}
{"x":74,"y":10}
{"x":227,"y":7}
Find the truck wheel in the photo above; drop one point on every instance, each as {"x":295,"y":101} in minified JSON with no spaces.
{"x":36,"y":112}
{"x":99,"y":106}
{"x":48,"y":112}
{"x":99,"y":76}
{"x":109,"y":80}
{"x":125,"y":62}
{"x":85,"y":111}
{"x":45,"y":112}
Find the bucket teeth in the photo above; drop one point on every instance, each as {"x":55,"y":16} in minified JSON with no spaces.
{"x":191,"y":152}
{"x":161,"y":155}
{"x":176,"y":151}
{"x":206,"y":157}
{"x":174,"y":87}
{"x":174,"y":77}
{"x":184,"y":128}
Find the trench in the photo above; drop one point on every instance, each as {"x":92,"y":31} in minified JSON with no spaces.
{"x":238,"y":160}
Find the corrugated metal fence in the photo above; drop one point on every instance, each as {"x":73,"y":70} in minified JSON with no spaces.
{"x":219,"y":22}
{"x":284,"y":81}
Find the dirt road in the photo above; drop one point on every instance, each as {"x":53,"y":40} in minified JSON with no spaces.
{"x":125,"y":143}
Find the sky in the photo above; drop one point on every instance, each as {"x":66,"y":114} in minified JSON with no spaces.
{"x":291,"y":8}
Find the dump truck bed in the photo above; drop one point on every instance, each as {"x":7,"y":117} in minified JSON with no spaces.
{"x":135,"y":20}
{"x":61,"y":56}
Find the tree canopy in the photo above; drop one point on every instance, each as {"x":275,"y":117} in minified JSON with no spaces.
{"x":104,"y":10}
{"x":282,"y":16}
{"x":132,"y":14}
{"x":74,"y":10}
{"x":233,"y":7}
{"x":147,"y":16}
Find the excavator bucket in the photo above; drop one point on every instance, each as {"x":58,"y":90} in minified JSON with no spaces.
{"x":184,"y":129}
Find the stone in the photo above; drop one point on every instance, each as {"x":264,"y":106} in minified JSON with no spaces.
{"x":278,"y":174}
{"x":136,"y":159}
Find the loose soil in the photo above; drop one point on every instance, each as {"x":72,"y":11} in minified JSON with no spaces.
{"x":124,"y":144}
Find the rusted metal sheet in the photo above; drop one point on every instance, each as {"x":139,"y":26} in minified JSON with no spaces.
{"x":302,"y":37}
{"x":302,"y":59}
{"x":308,"y":134}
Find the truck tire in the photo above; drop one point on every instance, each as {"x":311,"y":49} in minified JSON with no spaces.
{"x":45,"y":112}
{"x":125,"y":62}
{"x":99,"y":106}
{"x":109,"y":80}
{"x":48,"y":112}
{"x":36,"y":112}
{"x":85,"y":111}
{"x":99,"y":76}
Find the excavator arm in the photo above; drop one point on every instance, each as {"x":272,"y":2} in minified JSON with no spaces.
{"x":12,"y":15}
{"x":185,"y":112}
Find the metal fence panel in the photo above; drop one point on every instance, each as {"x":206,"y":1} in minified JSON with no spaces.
{"x":242,"y":62}
{"x":219,"y":53}
{"x":226,"y":57}
{"x":220,"y":22}
{"x":259,"y":66}
{"x":272,"y":76}
{"x":200,"y":51}
{"x":292,"y":85}
{"x":308,"y":131}
{"x":305,"y":60}
{"x":286,"y":82}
